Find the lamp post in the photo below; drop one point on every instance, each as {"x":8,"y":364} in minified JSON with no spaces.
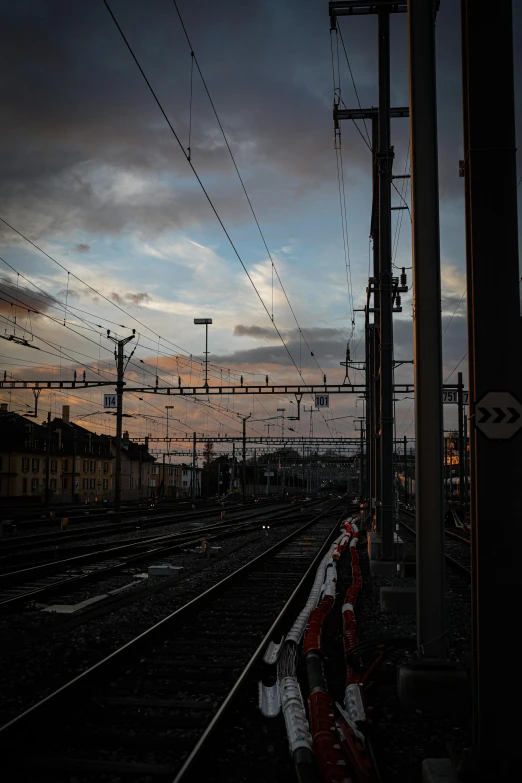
{"x":205,"y":321}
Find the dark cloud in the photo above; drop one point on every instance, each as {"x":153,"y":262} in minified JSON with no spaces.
{"x":328,"y":347}
{"x":257,"y":332}
{"x":18,"y":297}
{"x":81,"y":247}
{"x":136,"y":299}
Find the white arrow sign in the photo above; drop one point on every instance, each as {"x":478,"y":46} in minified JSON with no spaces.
{"x":498,"y":415}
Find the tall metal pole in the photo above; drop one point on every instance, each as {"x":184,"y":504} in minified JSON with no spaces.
{"x":431,"y":621}
{"x":385,"y":161}
{"x":233,"y":477}
{"x":374,"y":338}
{"x":194,"y":468}
{"x":206,"y":354}
{"x":491,"y":228}
{"x":460,"y":402}
{"x":405,"y":469}
{"x":466,"y":462}
{"x":48,"y":462}
{"x":243,"y":475}
{"x":119,"y":413}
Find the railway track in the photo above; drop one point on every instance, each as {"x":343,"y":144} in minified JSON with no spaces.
{"x":458,"y":551}
{"x":140,"y":713}
{"x":89,"y":530}
{"x":42,"y":580}
{"x":100,"y":514}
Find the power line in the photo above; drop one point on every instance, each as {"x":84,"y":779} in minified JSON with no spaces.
{"x":158,"y":102}
{"x":455,"y":310}
{"x":353,"y":82}
{"x":195,"y":59}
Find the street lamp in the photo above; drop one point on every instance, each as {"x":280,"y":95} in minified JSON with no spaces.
{"x":205,"y":321}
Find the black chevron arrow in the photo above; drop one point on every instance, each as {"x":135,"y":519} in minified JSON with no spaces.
{"x":486,"y":415}
{"x":500,"y":415}
{"x":515,"y":415}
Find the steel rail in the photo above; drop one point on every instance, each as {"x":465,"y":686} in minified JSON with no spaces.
{"x":225,"y":531}
{"x":83,"y":683}
{"x":45,"y":569}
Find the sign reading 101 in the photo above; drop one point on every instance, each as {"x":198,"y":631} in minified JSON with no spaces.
{"x":110,"y":401}
{"x":322,"y":400}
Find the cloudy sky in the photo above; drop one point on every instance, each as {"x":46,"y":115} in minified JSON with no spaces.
{"x":93,"y":175}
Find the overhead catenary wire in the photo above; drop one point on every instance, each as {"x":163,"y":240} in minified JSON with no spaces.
{"x":274,"y":267}
{"x":205,"y":192}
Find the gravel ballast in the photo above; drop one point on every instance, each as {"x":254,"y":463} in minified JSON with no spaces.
{"x":37,"y":670}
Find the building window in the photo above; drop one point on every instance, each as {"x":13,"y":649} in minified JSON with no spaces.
{"x":106,"y":483}
{"x":24,"y":485}
{"x":92,"y":483}
{"x":132,"y":482}
{"x":53,"y":466}
{"x":185,"y":483}
{"x":153,"y":482}
{"x":0,"y":463}
{"x":25,"y":465}
{"x":105,"y":467}
{"x":85,"y":465}
{"x":93,"y":466}
{"x":52,"y":484}
{"x":171,"y":471}
{"x":85,"y":483}
{"x":64,"y":483}
{"x":36,"y":465}
{"x":34,"y":485}
{"x":64,"y":465}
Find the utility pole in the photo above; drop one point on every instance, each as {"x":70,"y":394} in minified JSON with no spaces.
{"x":268,"y":477}
{"x":194,"y":467}
{"x":243,"y":475}
{"x":460,"y":401}
{"x":233,"y":477}
{"x":490,"y":187}
{"x":431,"y":621}
{"x":119,"y":413}
{"x":48,"y":462}
{"x":73,"y":480}
{"x":385,"y":162}
{"x":405,"y":469}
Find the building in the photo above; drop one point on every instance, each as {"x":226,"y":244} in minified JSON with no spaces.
{"x":22,"y":457}
{"x":75,"y":464}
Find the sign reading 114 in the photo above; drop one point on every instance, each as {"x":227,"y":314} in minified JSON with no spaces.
{"x":110,"y":401}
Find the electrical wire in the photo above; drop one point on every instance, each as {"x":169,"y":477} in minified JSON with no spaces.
{"x":274,"y":267}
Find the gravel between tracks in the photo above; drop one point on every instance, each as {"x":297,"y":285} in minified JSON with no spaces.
{"x":403,"y":738}
{"x":29,"y":676}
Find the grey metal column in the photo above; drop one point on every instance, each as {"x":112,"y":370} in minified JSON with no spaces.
{"x":385,"y":159}
{"x":376,"y":331}
{"x":494,"y":346}
{"x":460,"y":402}
{"x":431,"y":621}
{"x":405,"y":469}
{"x":371,"y":425}
{"x":193,"y":493}
{"x":369,"y":381}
